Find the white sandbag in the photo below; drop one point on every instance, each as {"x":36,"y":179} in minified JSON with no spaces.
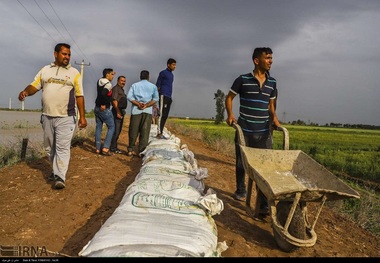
{"x":181,"y":165}
{"x":167,"y":173}
{"x":163,"y":154}
{"x":154,"y":131}
{"x":169,"y":154}
{"x":189,"y":156}
{"x":156,"y":218}
{"x":158,"y":167}
{"x":164,"y":213}
{"x":210,"y":203}
{"x":174,"y":144}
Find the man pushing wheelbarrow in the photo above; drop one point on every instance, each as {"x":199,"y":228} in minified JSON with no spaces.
{"x":283,"y":180}
{"x":257,"y":91}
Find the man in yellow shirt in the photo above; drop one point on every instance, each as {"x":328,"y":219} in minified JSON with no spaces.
{"x":62,"y":97}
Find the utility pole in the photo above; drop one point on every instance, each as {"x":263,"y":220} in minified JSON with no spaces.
{"x":10,"y":103}
{"x":82,"y":67}
{"x":81,"y":73}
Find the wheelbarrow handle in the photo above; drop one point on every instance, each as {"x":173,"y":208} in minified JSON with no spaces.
{"x":285,"y":138}
{"x":285,"y":132}
{"x":237,"y":127}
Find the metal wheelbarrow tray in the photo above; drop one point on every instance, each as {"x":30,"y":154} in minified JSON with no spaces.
{"x":289,"y":179}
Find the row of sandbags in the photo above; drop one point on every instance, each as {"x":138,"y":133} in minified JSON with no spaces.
{"x":165,"y":212}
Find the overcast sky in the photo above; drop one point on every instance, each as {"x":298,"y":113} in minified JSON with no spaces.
{"x":326,"y":53}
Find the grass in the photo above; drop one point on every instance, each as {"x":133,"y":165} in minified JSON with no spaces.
{"x":11,"y":153}
{"x":17,"y":125}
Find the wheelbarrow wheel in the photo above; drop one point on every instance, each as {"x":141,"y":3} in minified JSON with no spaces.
{"x":297,"y":227}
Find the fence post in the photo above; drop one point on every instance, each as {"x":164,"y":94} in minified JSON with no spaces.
{"x":23,"y":150}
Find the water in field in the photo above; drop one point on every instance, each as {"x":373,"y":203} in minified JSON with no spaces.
{"x":16,"y":125}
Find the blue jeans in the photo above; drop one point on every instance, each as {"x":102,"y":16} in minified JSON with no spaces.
{"x":100,"y":118}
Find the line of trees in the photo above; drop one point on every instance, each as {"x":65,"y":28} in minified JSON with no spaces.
{"x":220,"y":97}
{"x":338,"y":125}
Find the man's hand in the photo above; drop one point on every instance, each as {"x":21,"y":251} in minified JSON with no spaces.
{"x":142,"y":105}
{"x":82,"y":123}
{"x":23,"y":94}
{"x":231,"y":120}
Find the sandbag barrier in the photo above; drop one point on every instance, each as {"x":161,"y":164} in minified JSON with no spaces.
{"x":164,"y":212}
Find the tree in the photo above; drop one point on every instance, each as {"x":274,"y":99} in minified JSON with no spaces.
{"x":220,"y":106}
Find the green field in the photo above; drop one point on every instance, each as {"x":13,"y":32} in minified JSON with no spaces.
{"x":355,"y":152}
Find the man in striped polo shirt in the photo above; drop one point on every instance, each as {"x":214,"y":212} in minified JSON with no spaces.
{"x":257,"y":91}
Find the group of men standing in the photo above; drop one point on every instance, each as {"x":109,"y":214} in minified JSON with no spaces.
{"x":144,"y":96}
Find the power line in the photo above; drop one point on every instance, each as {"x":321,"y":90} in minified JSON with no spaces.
{"x":91,"y":69}
{"x":49,"y":20}
{"x":63,"y":25}
{"x":36,"y":20}
{"x":67,"y":30}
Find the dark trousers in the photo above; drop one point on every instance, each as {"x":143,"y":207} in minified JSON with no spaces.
{"x":254,"y":141}
{"x":139,"y":128}
{"x":118,"y":127}
{"x":164,"y":106}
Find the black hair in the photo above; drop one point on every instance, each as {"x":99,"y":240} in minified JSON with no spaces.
{"x":118,"y":78}
{"x":60,"y":45}
{"x":171,"y":61}
{"x":144,"y":74}
{"x":260,"y":50}
{"x":106,"y":71}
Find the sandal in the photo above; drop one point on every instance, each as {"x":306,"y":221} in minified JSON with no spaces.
{"x":107,"y":153}
{"x":97,"y":152}
{"x":131,"y":153}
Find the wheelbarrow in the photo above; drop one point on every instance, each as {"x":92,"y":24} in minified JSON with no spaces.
{"x":289,"y":179}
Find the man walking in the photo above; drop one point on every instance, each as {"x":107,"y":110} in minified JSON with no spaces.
{"x":62,"y":97}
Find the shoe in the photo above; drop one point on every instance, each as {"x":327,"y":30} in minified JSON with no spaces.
{"x":163,"y":137}
{"x":131,"y":153}
{"x":52,"y":177}
{"x":264,"y":212}
{"x":118,"y":151}
{"x":239,"y":197}
{"x":59,"y":183}
{"x":159,"y":135}
{"x":107,"y":153}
